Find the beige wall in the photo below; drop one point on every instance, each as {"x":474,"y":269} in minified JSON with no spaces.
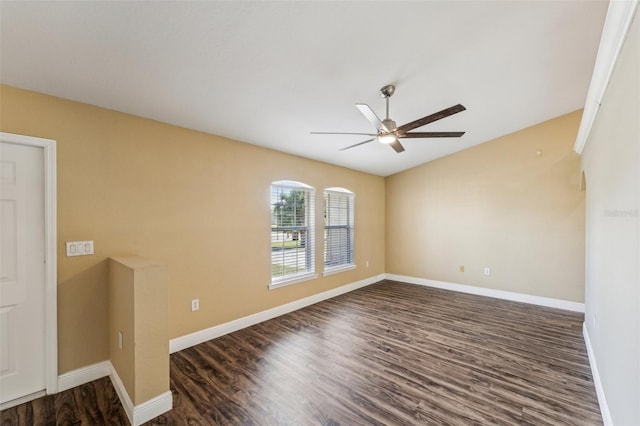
{"x":195,"y":202}
{"x":611,"y":161}
{"x":499,"y":205}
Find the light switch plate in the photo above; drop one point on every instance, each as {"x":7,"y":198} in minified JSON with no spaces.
{"x":79,"y":248}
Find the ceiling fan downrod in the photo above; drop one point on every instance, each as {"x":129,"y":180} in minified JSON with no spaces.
{"x":386,"y":93}
{"x":389,"y":126}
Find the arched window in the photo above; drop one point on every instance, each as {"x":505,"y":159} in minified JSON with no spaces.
{"x":339,"y":206}
{"x":292,"y":233}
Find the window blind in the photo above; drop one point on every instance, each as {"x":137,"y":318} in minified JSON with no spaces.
{"x":338,"y":228}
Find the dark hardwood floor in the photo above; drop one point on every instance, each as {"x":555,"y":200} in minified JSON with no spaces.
{"x":94,"y":403}
{"x":388,"y":354}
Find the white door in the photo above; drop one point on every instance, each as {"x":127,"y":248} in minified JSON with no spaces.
{"x":22,"y":271}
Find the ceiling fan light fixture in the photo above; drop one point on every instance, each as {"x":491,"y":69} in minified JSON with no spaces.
{"x":387,"y":139}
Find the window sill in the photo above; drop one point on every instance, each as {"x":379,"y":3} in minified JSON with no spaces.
{"x":338,"y":269}
{"x":293,"y":280}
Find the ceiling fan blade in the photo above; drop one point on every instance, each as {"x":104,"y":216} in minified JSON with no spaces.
{"x":430,"y":118}
{"x":358,"y":144}
{"x":372,"y":117}
{"x":342,"y":133}
{"x":432,"y":135}
{"x":397,"y":146}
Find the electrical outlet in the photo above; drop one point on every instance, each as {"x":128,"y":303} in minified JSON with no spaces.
{"x":195,"y":305}
{"x":461,"y":268}
{"x":366,"y":264}
{"x":120,"y":339}
{"x":487,"y":271}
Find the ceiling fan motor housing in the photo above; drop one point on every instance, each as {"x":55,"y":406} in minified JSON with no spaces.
{"x":389,"y":124}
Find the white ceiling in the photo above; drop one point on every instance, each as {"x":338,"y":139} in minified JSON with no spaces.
{"x":268,"y":73}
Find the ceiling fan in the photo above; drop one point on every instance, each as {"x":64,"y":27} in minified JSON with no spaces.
{"x":387,"y":131}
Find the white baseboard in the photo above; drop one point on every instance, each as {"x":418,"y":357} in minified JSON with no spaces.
{"x":186,"y":341}
{"x":183,"y":342}
{"x":498,"y":294}
{"x":137,"y":414}
{"x":83,"y":375}
{"x":602,"y":400}
{"x":152,"y":408}
{"x":144,"y":412}
{"x":125,"y":400}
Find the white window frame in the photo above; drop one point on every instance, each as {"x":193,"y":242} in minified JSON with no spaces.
{"x":350,"y":227}
{"x":310,"y":272}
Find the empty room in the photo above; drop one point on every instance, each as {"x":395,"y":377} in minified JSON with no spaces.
{"x":320,"y":213}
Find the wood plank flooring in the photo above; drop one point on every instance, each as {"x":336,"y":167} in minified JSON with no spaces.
{"x":94,"y":403}
{"x":387,"y":354}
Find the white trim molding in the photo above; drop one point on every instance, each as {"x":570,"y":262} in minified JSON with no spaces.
{"x":338,"y":269}
{"x":183,"y":342}
{"x":152,"y":408}
{"x":51,"y":262}
{"x":137,"y":414}
{"x":616,"y":25}
{"x":602,"y":400}
{"x":294,"y":279}
{"x":144,"y":412}
{"x":489,"y":292}
{"x":83,"y":375}
{"x":123,"y":395}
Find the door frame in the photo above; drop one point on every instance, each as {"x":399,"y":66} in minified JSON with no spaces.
{"x":51,"y":260}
